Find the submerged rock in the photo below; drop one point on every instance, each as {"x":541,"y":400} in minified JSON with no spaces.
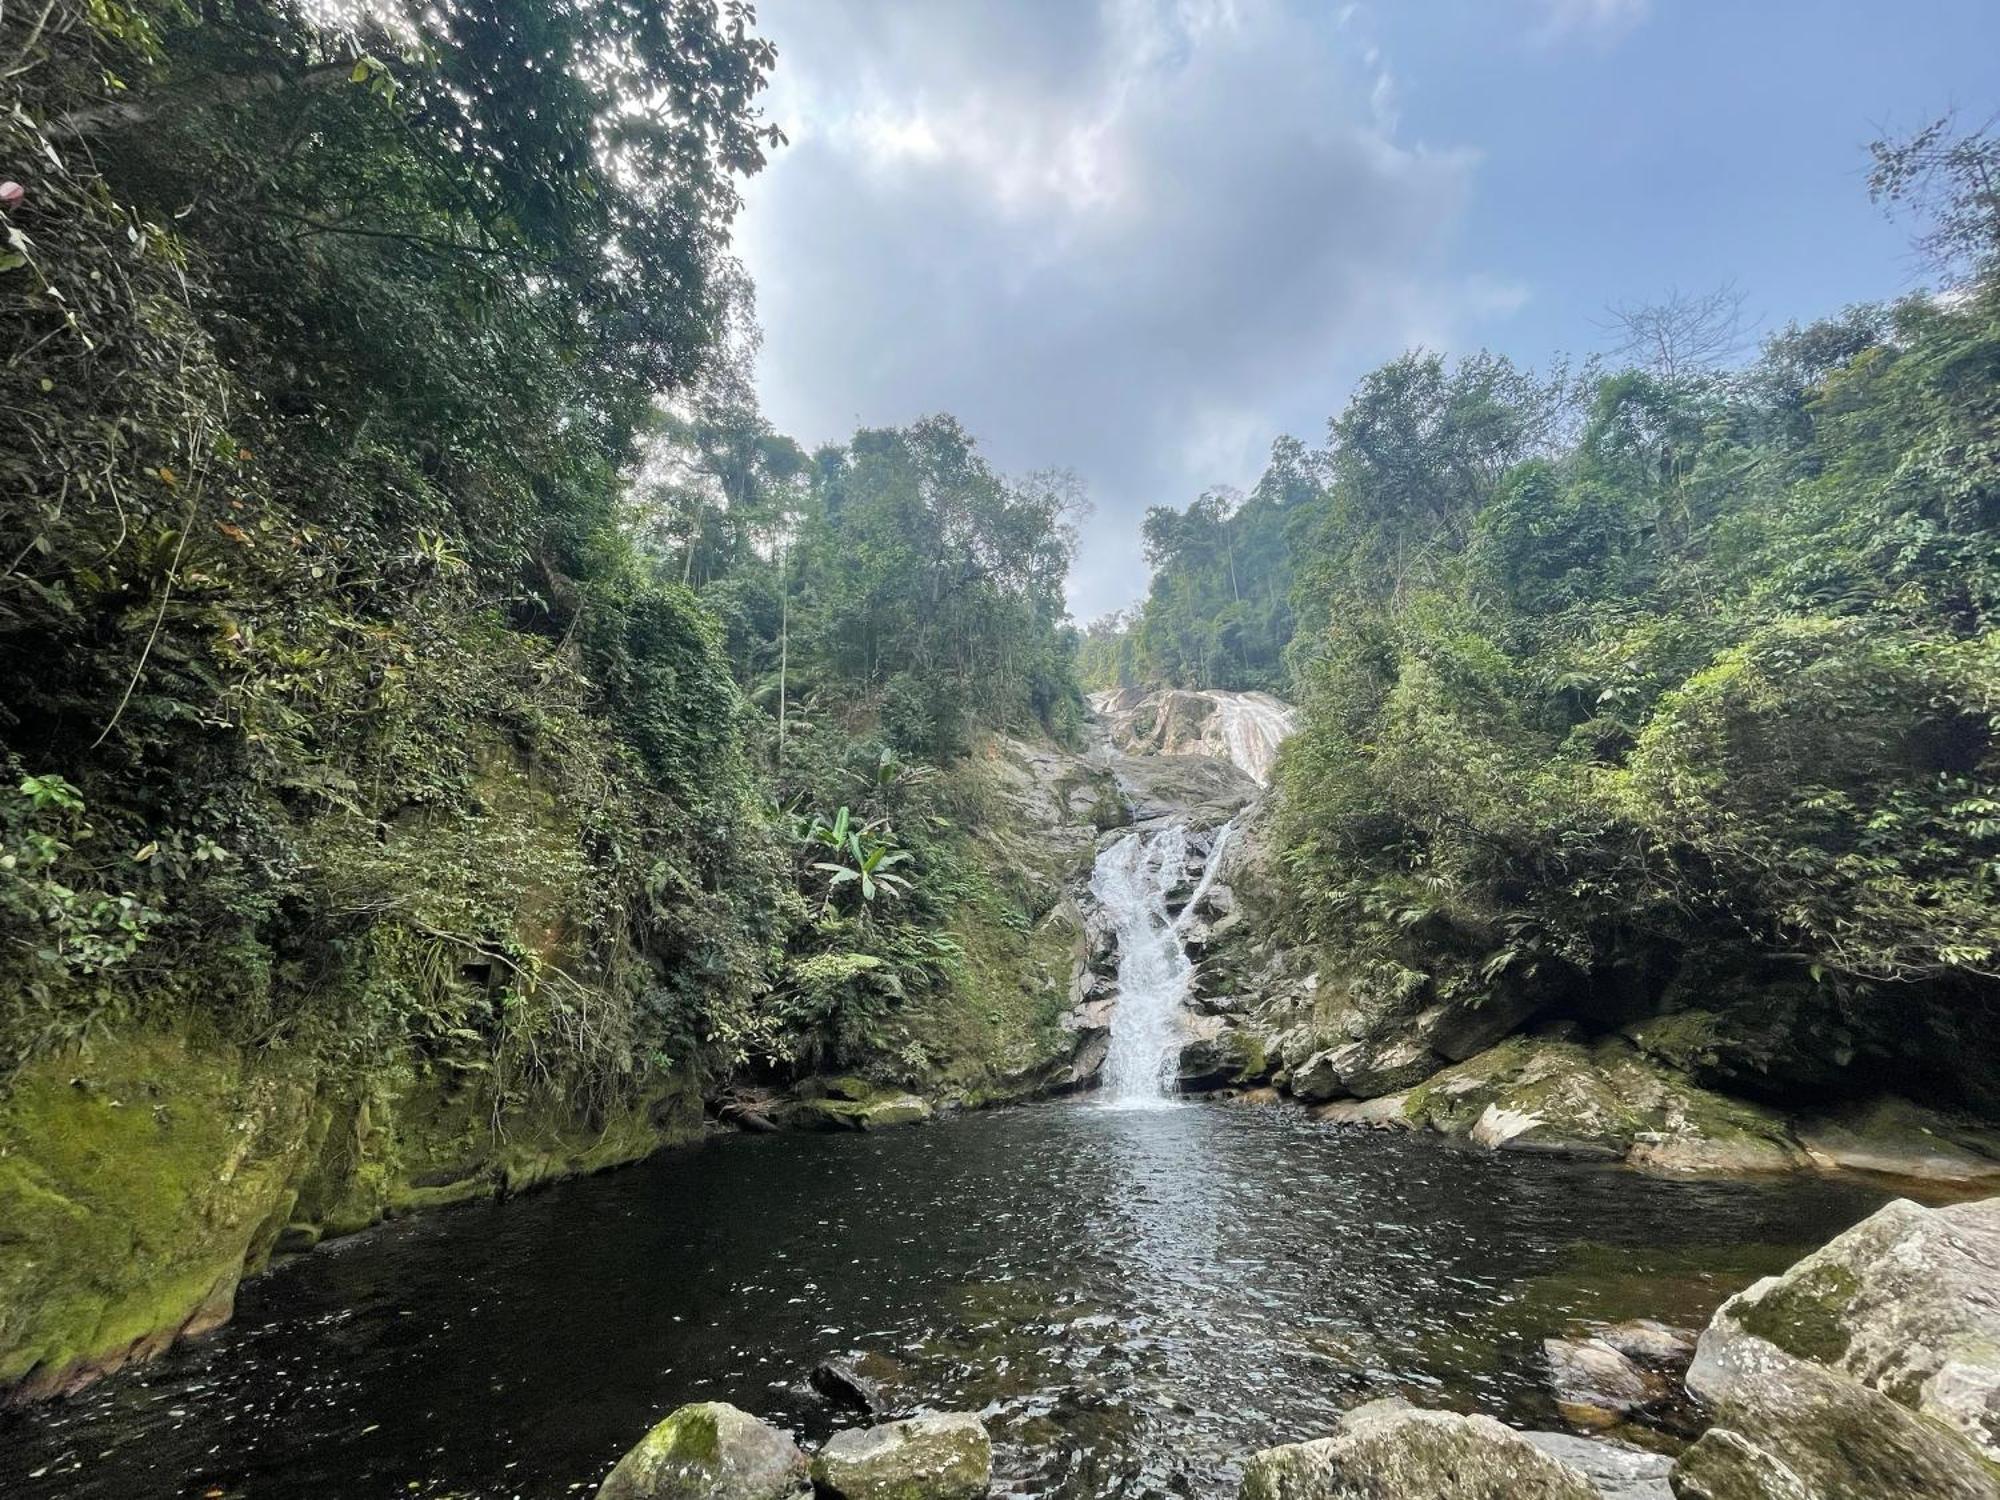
{"x":1388,"y":1450}
{"x":1596,"y":1386}
{"x":946,"y":1456}
{"x":839,"y":1381}
{"x":710,"y":1451}
{"x":1872,"y":1367}
{"x":1655,"y":1345}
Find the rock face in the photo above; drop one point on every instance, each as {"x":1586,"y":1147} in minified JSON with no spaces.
{"x":1388,"y":1450}
{"x":1871,"y":1368}
{"x":710,"y":1451}
{"x":942,"y":1457}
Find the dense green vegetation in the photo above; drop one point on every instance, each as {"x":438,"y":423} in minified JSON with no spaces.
{"x":1669,"y":686}
{"x":412,"y":641}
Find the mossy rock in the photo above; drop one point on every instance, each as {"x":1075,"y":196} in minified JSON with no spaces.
{"x":710,"y":1451}
{"x":1388,"y":1450}
{"x":1607,"y":1100}
{"x":138,"y":1177}
{"x":946,"y":1456}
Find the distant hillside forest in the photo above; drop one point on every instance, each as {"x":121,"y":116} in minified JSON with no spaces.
{"x":413,"y":641}
{"x":1682,"y":672}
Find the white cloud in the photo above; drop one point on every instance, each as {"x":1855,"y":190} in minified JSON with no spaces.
{"x":1139,"y":238}
{"x":1603,"y":21}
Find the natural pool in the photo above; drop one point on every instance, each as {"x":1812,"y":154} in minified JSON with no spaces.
{"x":1134,"y":1298}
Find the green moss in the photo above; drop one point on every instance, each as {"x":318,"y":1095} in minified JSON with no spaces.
{"x":137,"y":1178}
{"x":1805,"y":1315}
{"x":142,"y":1177}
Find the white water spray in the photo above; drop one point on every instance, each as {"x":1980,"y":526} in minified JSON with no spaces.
{"x":1135,"y":880}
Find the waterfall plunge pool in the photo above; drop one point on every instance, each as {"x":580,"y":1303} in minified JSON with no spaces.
{"x":1134,"y":1298}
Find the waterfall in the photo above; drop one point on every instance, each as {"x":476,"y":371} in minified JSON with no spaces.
{"x":1135,"y":880}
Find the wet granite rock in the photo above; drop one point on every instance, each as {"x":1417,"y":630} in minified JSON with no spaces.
{"x":1389,"y":1450}
{"x":1872,"y":1367}
{"x":1651,"y":1344}
{"x":841,"y":1382}
{"x":711,"y":1451}
{"x":1595,"y":1386}
{"x":945,"y":1456}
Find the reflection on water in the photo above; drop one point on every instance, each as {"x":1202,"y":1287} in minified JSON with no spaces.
{"x":1133,"y":1298}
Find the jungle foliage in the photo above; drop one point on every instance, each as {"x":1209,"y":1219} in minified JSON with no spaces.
{"x":382,"y":664}
{"x":1671,"y":685}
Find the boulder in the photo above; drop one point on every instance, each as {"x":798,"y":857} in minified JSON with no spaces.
{"x":946,"y":1456}
{"x":710,"y":1451}
{"x":1789,"y":1429}
{"x":1595,"y":1386}
{"x":1872,"y":1367}
{"x":1382,"y":1113}
{"x":1618,"y":1472}
{"x":1364,"y":1069}
{"x":1388,"y":1450}
{"x":1549,"y":1094}
{"x":1457,"y":1029}
{"x":1907,"y":1302}
{"x":1654,"y":1345}
{"x":1216,"y":1055}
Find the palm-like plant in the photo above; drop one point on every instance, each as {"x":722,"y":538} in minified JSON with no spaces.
{"x":862,"y":855}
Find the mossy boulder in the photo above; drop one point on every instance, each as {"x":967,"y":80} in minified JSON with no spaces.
{"x":1908,"y":1303}
{"x":1539,"y":1093}
{"x":710,"y":1451}
{"x":1388,"y":1450}
{"x":945,"y":1456}
{"x":1871,"y":1368}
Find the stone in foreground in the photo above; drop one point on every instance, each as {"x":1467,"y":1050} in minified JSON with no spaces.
{"x":711,"y":1451}
{"x":1872,"y":1367}
{"x":942,"y":1457}
{"x":1388,"y":1450}
{"x":1619,"y":1472}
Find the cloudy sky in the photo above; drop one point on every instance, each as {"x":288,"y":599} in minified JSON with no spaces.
{"x":1141,"y":238}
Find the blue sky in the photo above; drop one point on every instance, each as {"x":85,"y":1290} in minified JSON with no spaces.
{"x":1141,"y":238}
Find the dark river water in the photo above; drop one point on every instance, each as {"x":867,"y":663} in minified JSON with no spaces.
{"x":1134,"y":1300}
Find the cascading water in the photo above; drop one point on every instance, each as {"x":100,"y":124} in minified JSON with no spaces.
{"x":1135,"y":880}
